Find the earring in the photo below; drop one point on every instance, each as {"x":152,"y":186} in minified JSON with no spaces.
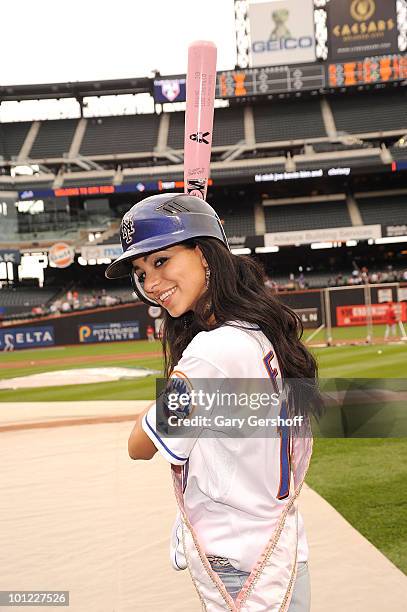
{"x":207,"y":277}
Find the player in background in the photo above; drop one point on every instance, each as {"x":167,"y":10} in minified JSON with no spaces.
{"x":150,"y":333}
{"x":391,"y":321}
{"x":238,"y":528}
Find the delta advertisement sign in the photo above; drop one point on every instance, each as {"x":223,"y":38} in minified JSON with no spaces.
{"x":26,"y":337}
{"x":347,"y":316}
{"x":282,"y":32}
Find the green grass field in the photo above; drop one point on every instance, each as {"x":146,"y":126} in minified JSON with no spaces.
{"x":348,"y":333}
{"x":27,"y":362}
{"x":361,"y":361}
{"x":364,"y":479}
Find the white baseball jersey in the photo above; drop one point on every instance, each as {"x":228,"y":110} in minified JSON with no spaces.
{"x":234,"y":487}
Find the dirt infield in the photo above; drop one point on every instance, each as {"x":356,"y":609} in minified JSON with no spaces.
{"x":92,"y":420}
{"x":76,"y":490}
{"x":63,"y":361}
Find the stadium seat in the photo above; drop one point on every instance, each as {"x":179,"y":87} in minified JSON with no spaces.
{"x":228,"y":128}
{"x":384,"y":209}
{"x":377,"y":111}
{"x":21,"y":299}
{"x":126,"y":134}
{"x":12,"y":136}
{"x":283,"y":120}
{"x":312,"y":215}
{"x":237,"y":217}
{"x":54,"y":138}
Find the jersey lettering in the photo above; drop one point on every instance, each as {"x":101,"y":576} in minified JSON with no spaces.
{"x":272,"y":372}
{"x":285,"y":455}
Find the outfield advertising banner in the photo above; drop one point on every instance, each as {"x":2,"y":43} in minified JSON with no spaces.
{"x":282,"y":32}
{"x":115,"y":323}
{"x":348,"y":316}
{"x":310,"y":317}
{"x":26,"y":337}
{"x":109,"y":332}
{"x":361,"y":27}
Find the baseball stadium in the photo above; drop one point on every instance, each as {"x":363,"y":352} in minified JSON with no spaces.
{"x":308,"y":177}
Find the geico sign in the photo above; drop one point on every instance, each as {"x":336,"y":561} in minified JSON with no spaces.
{"x":281,"y":44}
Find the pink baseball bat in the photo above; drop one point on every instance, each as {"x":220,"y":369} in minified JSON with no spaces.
{"x":200,"y":96}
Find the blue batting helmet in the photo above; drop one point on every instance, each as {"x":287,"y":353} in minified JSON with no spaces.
{"x":158,"y":222}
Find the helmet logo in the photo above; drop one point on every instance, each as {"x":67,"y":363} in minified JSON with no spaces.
{"x":172,"y":208}
{"x":127,"y":229}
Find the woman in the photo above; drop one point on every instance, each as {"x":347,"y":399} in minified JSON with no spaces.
{"x":238,"y":529}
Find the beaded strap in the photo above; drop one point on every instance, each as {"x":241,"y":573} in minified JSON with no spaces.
{"x":218,"y":560}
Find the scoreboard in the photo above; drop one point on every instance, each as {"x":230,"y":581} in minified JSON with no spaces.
{"x":366,"y":71}
{"x":255,"y":82}
{"x":270,"y":80}
{"x":319,"y":46}
{"x":318,"y":76}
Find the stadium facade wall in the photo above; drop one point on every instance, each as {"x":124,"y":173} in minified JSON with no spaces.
{"x":355,"y":296}
{"x":307,"y":304}
{"x":128,"y":322}
{"x":310,"y":303}
{"x":119,"y":323}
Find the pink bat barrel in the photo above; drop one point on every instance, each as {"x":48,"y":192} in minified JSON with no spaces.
{"x":200,"y":89}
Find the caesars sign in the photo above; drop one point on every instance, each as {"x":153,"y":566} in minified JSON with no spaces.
{"x":282,"y":32}
{"x":362,"y":27}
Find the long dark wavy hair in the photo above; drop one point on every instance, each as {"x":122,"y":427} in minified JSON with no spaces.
{"x":237,"y":292}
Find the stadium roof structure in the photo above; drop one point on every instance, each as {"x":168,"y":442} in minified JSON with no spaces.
{"x":78,"y":89}
{"x":317,"y":135}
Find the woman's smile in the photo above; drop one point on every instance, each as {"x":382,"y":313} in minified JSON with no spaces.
{"x":165,"y":297}
{"x":173,"y":277}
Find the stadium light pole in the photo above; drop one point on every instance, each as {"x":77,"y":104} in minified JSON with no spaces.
{"x":242,"y":32}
